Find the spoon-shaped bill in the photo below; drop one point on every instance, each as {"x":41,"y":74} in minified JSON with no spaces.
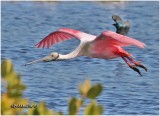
{"x":44,"y":59}
{"x":34,"y":61}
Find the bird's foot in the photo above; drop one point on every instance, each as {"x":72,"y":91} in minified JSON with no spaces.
{"x":134,"y":65}
{"x":135,"y":69}
{"x":137,"y":63}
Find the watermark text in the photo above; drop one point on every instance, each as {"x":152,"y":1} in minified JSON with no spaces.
{"x":22,"y":106}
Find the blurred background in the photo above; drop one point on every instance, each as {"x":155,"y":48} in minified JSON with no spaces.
{"x":25,"y":23}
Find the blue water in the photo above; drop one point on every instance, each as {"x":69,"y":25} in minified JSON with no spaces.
{"x":125,"y":92}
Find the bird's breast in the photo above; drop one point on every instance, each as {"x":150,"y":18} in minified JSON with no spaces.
{"x":101,"y":51}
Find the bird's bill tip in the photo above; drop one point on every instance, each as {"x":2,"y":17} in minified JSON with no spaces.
{"x":32,"y":62}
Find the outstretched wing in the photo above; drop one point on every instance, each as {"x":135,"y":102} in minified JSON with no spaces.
{"x":62,"y":35}
{"x":127,"y":26}
{"x":116,"y":18}
{"x":124,"y":29}
{"x":112,"y":38}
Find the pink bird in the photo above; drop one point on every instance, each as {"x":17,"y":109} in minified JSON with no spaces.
{"x":108,"y":45}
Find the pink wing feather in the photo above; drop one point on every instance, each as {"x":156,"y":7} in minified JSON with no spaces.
{"x":112,"y":38}
{"x":58,"y":36}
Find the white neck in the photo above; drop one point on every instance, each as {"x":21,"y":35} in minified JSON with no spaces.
{"x":66,"y":56}
{"x":76,"y":53}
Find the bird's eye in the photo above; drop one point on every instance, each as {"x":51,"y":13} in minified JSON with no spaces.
{"x":52,"y":55}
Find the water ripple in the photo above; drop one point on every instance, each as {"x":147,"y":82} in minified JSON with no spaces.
{"x":26,"y":23}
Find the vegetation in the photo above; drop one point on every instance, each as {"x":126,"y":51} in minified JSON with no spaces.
{"x":13,"y":102}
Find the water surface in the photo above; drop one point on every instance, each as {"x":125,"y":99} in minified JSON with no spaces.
{"x":125,"y":92}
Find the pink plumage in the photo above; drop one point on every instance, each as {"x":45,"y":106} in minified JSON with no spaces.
{"x":121,"y":40}
{"x":58,"y":36}
{"x":107,"y":45}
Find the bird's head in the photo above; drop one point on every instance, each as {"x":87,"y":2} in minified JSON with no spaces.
{"x":115,"y":25}
{"x":51,"y":57}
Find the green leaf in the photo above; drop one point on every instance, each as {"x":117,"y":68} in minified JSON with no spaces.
{"x":43,"y":110}
{"x":42,"y":107}
{"x":59,"y":113}
{"x":36,"y":112}
{"x":11,"y":77}
{"x":84,"y":87}
{"x":94,"y":91}
{"x":7,"y":67}
{"x":74,"y":105}
{"x":33,"y":111}
{"x":93,"y":109}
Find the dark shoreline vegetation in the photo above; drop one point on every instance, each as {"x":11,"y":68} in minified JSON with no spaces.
{"x":13,"y":103}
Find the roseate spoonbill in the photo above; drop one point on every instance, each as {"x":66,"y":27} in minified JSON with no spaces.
{"x":107,"y":45}
{"x":122,"y":28}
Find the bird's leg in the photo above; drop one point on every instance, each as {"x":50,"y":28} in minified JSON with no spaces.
{"x":132,"y":66}
{"x":137,"y":63}
{"x":123,"y":54}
